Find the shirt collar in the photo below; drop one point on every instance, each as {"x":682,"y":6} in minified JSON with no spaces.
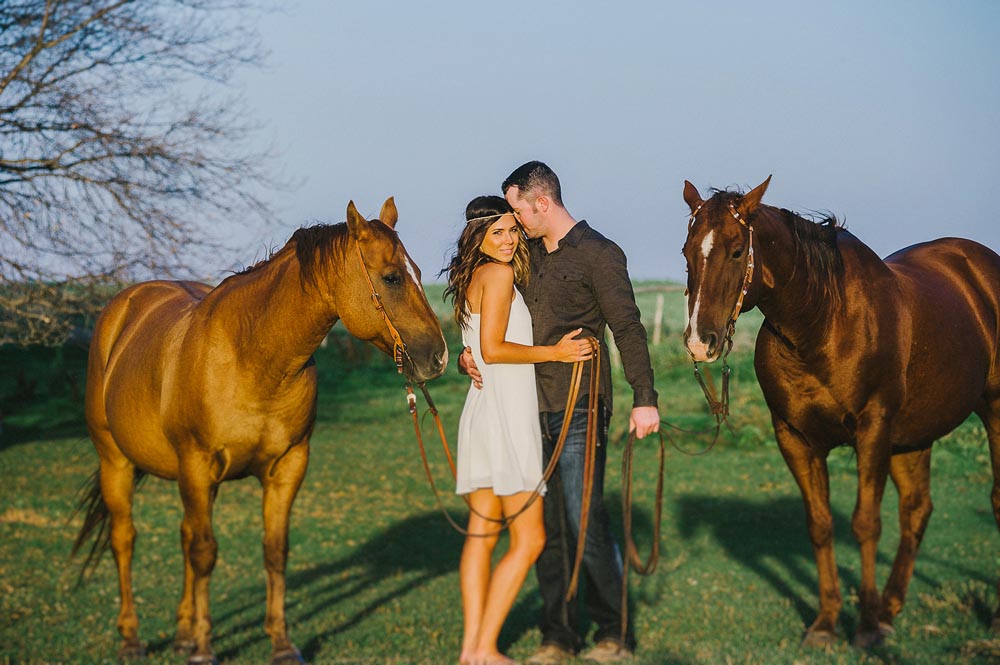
{"x":572,"y":238}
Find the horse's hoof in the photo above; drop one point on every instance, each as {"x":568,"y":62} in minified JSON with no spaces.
{"x":132,"y":652}
{"x":184,"y":647}
{"x":205,"y":659}
{"x":289,"y":656}
{"x":818,"y":638}
{"x":886,"y":629}
{"x":869,"y":639}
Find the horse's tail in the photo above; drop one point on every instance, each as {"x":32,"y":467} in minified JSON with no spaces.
{"x":96,"y":521}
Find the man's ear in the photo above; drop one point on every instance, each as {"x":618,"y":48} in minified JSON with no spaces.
{"x":542,"y":203}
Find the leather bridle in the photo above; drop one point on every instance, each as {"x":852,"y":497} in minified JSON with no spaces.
{"x":719,"y":406}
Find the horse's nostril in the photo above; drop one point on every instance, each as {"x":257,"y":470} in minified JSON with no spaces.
{"x":712,"y":340}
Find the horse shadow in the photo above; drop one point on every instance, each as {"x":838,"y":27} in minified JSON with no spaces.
{"x":770,"y":539}
{"x":415,"y":551}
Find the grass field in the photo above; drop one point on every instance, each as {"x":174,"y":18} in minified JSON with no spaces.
{"x":373,"y":568}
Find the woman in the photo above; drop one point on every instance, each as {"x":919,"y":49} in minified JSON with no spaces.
{"x":499,"y":438}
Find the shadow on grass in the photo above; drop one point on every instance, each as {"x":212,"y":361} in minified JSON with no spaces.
{"x":770,"y":539}
{"x":413,"y":551}
{"x":399,"y":561}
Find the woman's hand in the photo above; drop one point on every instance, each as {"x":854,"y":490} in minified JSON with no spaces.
{"x":570,"y":350}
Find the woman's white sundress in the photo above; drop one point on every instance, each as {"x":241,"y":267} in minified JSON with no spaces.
{"x":499,"y":437}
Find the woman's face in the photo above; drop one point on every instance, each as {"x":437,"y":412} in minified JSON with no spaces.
{"x":501,"y":239}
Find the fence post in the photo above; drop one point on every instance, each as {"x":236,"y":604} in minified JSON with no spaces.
{"x":616,"y":359}
{"x":658,"y":319}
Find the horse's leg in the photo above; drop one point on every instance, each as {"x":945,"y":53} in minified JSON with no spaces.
{"x":808,"y":466}
{"x":281,"y":483}
{"x":184,"y":637}
{"x":198,"y":490}
{"x":873,"y":471}
{"x":911,"y":473}
{"x":990,"y":415}
{"x":117,"y":487}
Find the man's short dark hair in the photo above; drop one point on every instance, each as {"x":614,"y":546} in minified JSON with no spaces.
{"x":535,"y":176}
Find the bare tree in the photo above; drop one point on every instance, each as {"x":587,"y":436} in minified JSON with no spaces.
{"x":123,"y":149}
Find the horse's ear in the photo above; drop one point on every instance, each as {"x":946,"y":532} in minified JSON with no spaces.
{"x":356,"y":224}
{"x":389,"y":215}
{"x":751,"y":199}
{"x":691,"y":196}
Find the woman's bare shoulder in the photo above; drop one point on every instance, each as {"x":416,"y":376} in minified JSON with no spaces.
{"x":488,"y":272}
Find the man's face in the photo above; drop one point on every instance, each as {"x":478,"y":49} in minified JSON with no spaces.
{"x":524,"y":205}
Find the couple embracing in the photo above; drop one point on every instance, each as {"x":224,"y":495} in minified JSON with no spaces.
{"x":530,"y":285}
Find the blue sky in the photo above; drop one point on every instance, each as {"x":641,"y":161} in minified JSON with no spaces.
{"x":886,"y":114}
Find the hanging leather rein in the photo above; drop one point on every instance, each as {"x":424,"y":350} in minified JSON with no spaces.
{"x":632,"y":559}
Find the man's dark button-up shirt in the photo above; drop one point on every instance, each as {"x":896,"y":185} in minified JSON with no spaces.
{"x":584,"y":283}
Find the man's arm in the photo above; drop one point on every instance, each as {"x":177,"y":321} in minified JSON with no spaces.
{"x":617,"y":302}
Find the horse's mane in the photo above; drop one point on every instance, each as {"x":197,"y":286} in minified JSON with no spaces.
{"x":816,"y":251}
{"x":313,"y":245}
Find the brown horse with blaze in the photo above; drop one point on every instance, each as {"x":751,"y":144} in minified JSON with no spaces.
{"x":202,"y":385}
{"x":884,"y":356}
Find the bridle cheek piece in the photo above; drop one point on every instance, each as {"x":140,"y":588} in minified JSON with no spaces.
{"x":398,"y":346}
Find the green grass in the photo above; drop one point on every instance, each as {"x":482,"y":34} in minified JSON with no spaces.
{"x":373,"y":568}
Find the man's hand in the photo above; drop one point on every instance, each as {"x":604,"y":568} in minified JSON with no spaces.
{"x":644,"y":420}
{"x":466,"y":365}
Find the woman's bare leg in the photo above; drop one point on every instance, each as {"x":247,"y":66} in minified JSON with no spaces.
{"x":527,"y":538}
{"x":474,"y":567}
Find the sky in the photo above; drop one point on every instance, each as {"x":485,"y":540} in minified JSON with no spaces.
{"x":886,"y":114}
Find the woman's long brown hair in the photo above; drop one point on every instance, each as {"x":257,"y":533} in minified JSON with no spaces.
{"x":481,"y":213}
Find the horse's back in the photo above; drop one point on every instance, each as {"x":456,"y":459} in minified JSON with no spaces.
{"x":952,"y":272}
{"x":136,"y":335}
{"x":951,"y":290}
{"x":148,"y":310}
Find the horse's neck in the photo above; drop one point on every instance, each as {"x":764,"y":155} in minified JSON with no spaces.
{"x":279,"y":323}
{"x":787,"y":295}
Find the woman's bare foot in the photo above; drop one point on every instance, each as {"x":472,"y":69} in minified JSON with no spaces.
{"x":490,"y":658}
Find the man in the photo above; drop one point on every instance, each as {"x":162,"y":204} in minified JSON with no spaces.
{"x":578,"y":279}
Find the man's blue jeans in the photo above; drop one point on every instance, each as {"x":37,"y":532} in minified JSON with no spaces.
{"x":601,"y":574}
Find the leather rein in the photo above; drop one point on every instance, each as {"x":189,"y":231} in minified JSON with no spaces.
{"x":632,"y":559}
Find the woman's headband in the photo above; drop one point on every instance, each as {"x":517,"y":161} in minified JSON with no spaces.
{"x":496,"y":216}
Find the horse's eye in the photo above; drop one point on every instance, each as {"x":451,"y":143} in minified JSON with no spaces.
{"x":392,"y":279}
{"x":738,"y":253}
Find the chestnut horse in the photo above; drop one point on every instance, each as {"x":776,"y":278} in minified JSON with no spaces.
{"x":201,"y":385}
{"x":884,"y":356}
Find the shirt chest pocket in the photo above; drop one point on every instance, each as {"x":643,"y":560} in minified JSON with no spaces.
{"x":570,"y":290}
